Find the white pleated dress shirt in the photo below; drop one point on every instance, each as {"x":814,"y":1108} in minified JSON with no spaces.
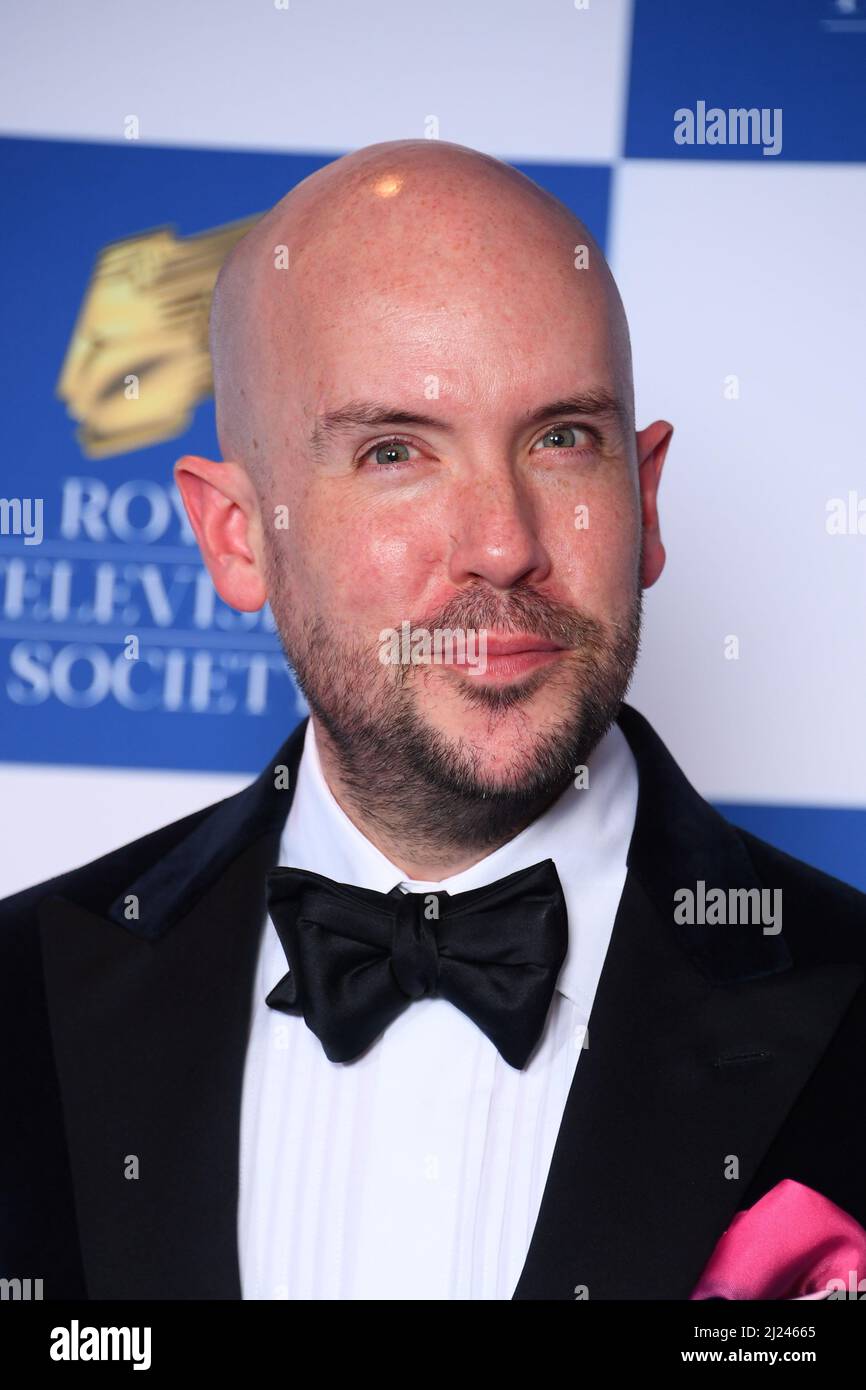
{"x":417,"y":1170}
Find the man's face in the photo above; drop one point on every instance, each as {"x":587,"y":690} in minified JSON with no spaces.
{"x":483,"y":520}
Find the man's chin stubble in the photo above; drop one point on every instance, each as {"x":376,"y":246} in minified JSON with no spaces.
{"x":426,"y":792}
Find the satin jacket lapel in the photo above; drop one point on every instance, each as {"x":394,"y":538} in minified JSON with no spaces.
{"x":151,"y":1092}
{"x":699,"y":1041}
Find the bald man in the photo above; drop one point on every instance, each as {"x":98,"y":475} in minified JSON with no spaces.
{"x":470,"y":995}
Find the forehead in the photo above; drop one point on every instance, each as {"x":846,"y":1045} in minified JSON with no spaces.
{"x":539,"y":334}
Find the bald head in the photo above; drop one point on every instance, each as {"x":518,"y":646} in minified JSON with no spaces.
{"x":425,"y":408}
{"x":412,"y":227}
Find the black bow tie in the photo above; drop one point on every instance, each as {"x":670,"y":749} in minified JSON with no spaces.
{"x":357,"y":958}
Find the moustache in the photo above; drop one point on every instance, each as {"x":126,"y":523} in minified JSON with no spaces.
{"x":522,"y":611}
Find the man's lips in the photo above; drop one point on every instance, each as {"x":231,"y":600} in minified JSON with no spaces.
{"x":507,"y":646}
{"x":509,"y":656}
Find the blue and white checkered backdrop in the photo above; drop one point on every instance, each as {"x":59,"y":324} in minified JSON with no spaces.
{"x":742,"y":270}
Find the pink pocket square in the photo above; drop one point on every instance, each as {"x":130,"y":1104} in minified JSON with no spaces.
{"x":792,"y":1244}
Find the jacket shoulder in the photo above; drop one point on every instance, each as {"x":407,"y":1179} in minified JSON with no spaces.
{"x":95,"y":884}
{"x":818,"y":909}
{"x":677,"y":829}
{"x":174,"y":863}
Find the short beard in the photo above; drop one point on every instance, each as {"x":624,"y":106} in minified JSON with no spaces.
{"x":422,"y":789}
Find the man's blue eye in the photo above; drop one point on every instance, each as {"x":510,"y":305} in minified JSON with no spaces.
{"x":563,"y":437}
{"x":388,"y":453}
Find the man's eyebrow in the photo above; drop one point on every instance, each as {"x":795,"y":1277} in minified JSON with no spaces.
{"x":370,"y":414}
{"x":597,"y":402}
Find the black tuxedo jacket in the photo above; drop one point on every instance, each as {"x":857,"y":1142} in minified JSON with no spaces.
{"x":707,"y":1044}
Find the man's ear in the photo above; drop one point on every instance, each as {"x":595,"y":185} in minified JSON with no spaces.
{"x":652,"y":446}
{"x":223,"y":510}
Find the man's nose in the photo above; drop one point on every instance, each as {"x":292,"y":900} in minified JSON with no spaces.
{"x":495,"y":535}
